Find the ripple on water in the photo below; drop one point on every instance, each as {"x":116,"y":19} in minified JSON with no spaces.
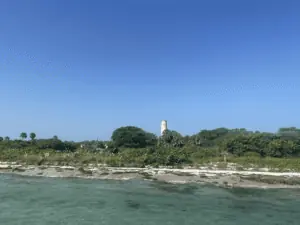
{"x":40,"y":201}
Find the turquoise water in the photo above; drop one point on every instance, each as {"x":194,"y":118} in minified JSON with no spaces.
{"x":40,"y":201}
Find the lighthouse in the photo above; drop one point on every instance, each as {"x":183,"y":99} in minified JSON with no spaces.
{"x":163,"y":126}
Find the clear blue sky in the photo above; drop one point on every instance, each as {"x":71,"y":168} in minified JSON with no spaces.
{"x":80,"y":69}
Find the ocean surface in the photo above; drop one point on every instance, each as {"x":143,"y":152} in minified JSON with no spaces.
{"x":55,"y":201}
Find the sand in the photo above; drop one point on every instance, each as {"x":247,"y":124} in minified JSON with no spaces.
{"x":226,"y":178}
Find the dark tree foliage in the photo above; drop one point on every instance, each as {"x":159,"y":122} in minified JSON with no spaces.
{"x":132,"y":137}
{"x":32,"y":136}
{"x":23,"y":135}
{"x":55,"y":144}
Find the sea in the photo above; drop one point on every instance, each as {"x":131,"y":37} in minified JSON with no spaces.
{"x":72,"y":201}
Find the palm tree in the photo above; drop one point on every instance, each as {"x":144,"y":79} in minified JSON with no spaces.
{"x":32,"y":136}
{"x":23,"y":135}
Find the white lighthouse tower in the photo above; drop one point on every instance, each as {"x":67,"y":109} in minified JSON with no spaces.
{"x":163,"y":126}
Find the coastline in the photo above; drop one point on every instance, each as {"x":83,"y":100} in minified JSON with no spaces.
{"x":225,"y":178}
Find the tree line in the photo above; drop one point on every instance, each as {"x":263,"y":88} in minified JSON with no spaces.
{"x":237,"y":142}
{"x":284,"y":143}
{"x":133,"y":146}
{"x":53,"y":143}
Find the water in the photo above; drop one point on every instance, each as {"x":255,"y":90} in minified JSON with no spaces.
{"x":41,"y":201}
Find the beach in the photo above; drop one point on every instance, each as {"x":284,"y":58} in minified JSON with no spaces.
{"x":261,"y":178}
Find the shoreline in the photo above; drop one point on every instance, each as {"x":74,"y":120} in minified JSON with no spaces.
{"x":224,"y":178}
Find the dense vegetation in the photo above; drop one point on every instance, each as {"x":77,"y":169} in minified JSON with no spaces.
{"x":132,"y":146}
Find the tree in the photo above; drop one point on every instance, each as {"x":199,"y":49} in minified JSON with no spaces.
{"x":7,"y":138}
{"x":289,"y":133}
{"x":281,"y":148}
{"x":171,"y":138}
{"x":23,"y":135}
{"x":56,"y":144}
{"x":132,"y":137}
{"x":1,"y":138}
{"x":209,"y":138}
{"x":32,"y":136}
{"x":262,"y":144}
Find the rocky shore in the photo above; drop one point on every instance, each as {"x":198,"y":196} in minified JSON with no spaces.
{"x":224,"y":178}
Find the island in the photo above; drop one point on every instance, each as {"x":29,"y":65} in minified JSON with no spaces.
{"x":222,"y":156}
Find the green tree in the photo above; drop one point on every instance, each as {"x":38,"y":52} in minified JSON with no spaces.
{"x":247,"y":142}
{"x":56,"y":144}
{"x":171,"y":138}
{"x":23,"y":135}
{"x":209,"y":138}
{"x":281,"y":148}
{"x":132,"y":137}
{"x":32,"y":136}
{"x":6,"y":138}
{"x":1,"y":138}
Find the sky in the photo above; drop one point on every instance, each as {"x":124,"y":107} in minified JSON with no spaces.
{"x":81,"y":69}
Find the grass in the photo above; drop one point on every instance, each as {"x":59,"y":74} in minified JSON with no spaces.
{"x":132,"y":159}
{"x":243,"y":163}
{"x":281,"y":164}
